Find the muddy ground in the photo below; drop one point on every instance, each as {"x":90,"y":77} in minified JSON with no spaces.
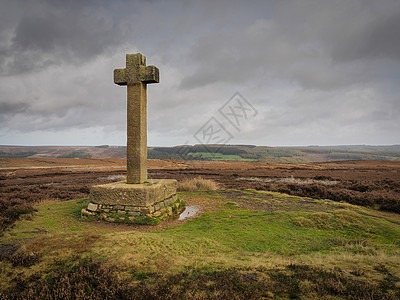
{"x":24,"y":182}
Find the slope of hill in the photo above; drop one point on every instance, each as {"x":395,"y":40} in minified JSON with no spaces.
{"x":215,"y":152}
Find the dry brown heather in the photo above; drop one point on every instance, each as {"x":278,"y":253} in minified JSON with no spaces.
{"x":26,"y":181}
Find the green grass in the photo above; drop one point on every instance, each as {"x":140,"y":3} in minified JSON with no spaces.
{"x":50,"y":217}
{"x":280,"y":233}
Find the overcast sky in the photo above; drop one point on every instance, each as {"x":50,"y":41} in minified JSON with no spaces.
{"x":311,"y":72}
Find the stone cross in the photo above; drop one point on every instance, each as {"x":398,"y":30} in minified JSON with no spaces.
{"x":136,"y":76}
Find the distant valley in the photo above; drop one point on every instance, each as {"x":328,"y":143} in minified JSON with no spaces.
{"x":215,"y":152}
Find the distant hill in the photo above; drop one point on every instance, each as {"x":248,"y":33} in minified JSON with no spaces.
{"x":277,"y":154}
{"x":103,"y":151}
{"x":215,"y":152}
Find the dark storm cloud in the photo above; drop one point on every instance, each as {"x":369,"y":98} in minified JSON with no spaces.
{"x":380,"y":39}
{"x":48,"y":34}
{"x":319,"y":44}
{"x":12,"y":108}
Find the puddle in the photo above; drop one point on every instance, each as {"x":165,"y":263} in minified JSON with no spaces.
{"x":189,"y":211}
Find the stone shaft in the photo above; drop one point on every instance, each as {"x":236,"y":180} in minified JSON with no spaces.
{"x":137,"y":133}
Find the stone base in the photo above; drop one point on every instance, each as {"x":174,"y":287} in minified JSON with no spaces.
{"x":123,"y":194}
{"x":132,"y":200}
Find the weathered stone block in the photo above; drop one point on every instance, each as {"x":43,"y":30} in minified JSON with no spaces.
{"x":86,"y":213}
{"x":146,"y":210}
{"x":132,"y":208}
{"x":123,"y":194}
{"x":133,"y":213}
{"x":92,"y":207}
{"x":157,"y":214}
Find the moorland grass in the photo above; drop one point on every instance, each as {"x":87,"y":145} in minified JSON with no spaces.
{"x":326,"y":252}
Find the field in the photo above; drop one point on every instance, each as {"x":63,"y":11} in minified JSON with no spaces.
{"x":316,"y":230}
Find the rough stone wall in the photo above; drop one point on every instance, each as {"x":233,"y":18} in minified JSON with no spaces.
{"x":129,"y":210}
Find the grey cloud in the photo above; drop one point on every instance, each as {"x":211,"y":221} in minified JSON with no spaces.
{"x":53,"y":35}
{"x":77,"y":33}
{"x":380,"y":39}
{"x":319,"y":44}
{"x":8,"y":111}
{"x":12,"y":107}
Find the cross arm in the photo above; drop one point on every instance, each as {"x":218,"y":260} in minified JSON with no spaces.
{"x":120,"y":76}
{"x":149,"y":74}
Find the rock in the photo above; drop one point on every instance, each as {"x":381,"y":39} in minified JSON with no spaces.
{"x":145,"y":211}
{"x":157,"y":214}
{"x":86,"y":213}
{"x":132,"y":208}
{"x":133,"y":213}
{"x":92,"y":207}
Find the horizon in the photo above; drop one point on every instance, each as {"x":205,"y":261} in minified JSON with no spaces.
{"x":152,"y":146}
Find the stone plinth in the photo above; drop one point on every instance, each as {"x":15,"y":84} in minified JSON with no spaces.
{"x":123,"y":194}
{"x":144,"y":199}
